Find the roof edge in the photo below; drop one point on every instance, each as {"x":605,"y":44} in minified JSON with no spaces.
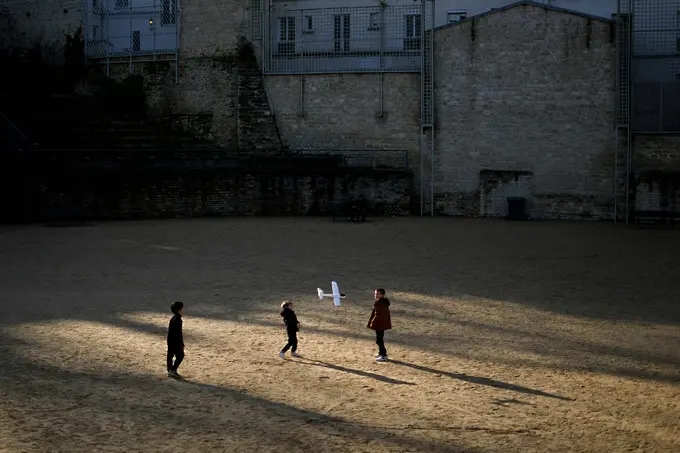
{"x":529,"y":3}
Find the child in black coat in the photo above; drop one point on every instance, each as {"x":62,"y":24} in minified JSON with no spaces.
{"x":292,"y":328}
{"x":175,"y":340}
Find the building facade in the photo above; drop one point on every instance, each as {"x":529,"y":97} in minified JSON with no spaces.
{"x":489,"y":98}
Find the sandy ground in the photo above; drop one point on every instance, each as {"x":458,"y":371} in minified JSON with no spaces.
{"x":508,"y":337}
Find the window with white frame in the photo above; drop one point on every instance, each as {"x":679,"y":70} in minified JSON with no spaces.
{"x":169,"y":13}
{"x":287,"y":28}
{"x":374,"y":21}
{"x":412,"y":32}
{"x":455,"y":15}
{"x":286,"y":44}
{"x":342,"y":32}
{"x":412,"y":26}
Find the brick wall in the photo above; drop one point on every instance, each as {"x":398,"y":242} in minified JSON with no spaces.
{"x":344,"y":111}
{"x":527,"y":89}
{"x":106,"y":186}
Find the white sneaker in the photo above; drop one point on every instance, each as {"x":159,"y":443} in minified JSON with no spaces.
{"x":282,"y":355}
{"x":378,"y":355}
{"x":295,"y":354}
{"x":381,"y":359}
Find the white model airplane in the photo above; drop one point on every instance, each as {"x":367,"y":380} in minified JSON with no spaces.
{"x":336,"y":294}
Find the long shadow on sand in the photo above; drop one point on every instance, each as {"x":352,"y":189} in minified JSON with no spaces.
{"x":155,"y":409}
{"x":312,"y":362}
{"x":378,"y":377}
{"x":481,"y":381}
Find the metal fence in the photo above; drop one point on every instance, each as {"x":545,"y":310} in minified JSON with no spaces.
{"x":131,"y":28}
{"x":340,"y":40}
{"x":654,"y":50}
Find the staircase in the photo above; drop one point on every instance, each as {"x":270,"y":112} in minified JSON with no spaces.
{"x":256,"y":124}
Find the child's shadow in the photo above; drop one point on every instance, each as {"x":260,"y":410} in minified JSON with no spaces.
{"x":375,"y":376}
{"x":482,"y":381}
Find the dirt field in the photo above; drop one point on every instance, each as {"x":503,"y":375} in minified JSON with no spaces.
{"x":508,"y":337}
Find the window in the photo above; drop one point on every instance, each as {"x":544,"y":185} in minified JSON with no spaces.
{"x":373,"y":21}
{"x":287,"y":29}
{"x":308,"y":23}
{"x":413,"y":26}
{"x":286,"y":35}
{"x":341,"y":32}
{"x":136,"y":40}
{"x":96,"y":33}
{"x":169,"y":14}
{"x":122,"y":4}
{"x":455,"y":16}
{"x":412,"y":32}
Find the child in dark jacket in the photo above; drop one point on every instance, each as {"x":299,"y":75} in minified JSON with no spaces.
{"x":175,"y":340}
{"x":380,"y":321}
{"x":292,"y":327}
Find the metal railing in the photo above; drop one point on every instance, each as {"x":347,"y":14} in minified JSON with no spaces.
{"x":339,"y":40}
{"x":131,"y":28}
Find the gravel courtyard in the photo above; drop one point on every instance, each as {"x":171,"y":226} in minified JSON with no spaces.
{"x":509,"y":337}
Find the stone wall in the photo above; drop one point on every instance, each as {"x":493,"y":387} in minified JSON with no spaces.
{"x":213,"y":27}
{"x":527,"y":89}
{"x":151,"y":185}
{"x":656,"y":168}
{"x":345,"y":111}
{"x":25,"y":23}
{"x":204,"y":102}
{"x":656,"y":152}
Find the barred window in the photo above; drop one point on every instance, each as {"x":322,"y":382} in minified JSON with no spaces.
{"x":169,"y":14}
{"x":136,"y":41}
{"x":412,"y":32}
{"x":287,"y":29}
{"x":412,"y":26}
